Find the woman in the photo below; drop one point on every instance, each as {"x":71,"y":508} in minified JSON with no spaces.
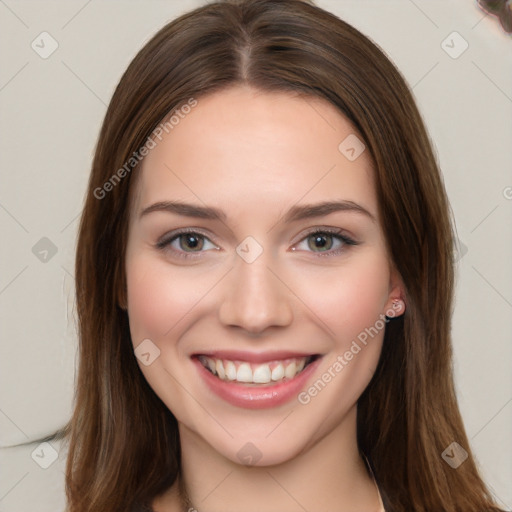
{"x":265,"y":279}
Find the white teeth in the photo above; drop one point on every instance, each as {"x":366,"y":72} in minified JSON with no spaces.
{"x":244,"y":373}
{"x":290,"y":370}
{"x":211,"y":364}
{"x":262,"y":374}
{"x":230,"y":370}
{"x":278,"y":372}
{"x":254,"y":373}
{"x":219,"y":367}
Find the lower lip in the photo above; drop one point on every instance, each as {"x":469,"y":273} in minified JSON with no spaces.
{"x":257,"y":397}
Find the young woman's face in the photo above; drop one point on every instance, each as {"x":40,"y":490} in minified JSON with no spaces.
{"x":259,"y":282}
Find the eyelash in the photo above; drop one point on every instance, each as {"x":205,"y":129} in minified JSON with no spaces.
{"x":335,"y":233}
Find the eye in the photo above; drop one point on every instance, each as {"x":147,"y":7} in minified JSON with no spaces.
{"x":325,"y":241}
{"x":186,"y":242}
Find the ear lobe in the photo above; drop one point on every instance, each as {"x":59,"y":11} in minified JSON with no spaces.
{"x":396,"y":304}
{"x":395,"y":308}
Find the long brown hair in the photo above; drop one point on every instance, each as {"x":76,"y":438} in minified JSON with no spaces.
{"x":123,"y":441}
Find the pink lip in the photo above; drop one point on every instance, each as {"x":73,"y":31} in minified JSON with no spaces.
{"x":256,"y":397}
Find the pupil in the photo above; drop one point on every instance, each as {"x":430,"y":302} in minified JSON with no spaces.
{"x":323,"y":242}
{"x":191,"y":242}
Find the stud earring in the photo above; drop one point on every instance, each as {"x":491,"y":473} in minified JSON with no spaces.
{"x":397,"y":305}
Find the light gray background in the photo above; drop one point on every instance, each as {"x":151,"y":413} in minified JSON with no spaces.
{"x":51,"y":114}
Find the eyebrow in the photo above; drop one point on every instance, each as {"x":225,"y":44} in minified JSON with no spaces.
{"x":186,"y":209}
{"x":309,"y":211}
{"x":296,"y":213}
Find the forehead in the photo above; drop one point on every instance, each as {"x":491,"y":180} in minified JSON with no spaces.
{"x":242,"y":146}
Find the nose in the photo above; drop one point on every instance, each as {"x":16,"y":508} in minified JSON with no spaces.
{"x":254,"y":298}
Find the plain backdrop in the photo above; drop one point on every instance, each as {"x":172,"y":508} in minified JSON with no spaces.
{"x":51,"y":110}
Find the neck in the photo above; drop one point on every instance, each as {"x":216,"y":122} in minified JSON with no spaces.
{"x":329,"y":471}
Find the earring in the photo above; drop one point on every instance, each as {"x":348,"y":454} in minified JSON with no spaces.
{"x":398,"y":305}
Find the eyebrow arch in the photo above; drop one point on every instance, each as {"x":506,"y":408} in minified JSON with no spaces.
{"x":186,"y":209}
{"x":309,"y":211}
{"x":295,"y":213}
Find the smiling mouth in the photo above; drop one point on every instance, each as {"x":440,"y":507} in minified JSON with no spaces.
{"x":244,"y":372}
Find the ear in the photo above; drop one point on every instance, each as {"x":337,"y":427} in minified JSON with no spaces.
{"x":395,"y":305}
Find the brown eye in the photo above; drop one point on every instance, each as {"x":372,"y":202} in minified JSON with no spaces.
{"x":191,"y":242}
{"x":325,"y":243}
{"x":320,"y":242}
{"x":186,"y":244}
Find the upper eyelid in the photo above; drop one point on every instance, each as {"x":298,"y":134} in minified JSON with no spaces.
{"x":183,"y":231}
{"x":315,"y":229}
{"x":327,"y":230}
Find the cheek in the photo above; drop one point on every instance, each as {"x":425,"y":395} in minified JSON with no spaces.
{"x":351,"y":308}
{"x":162,"y":297}
{"x":146,"y":296}
{"x":157,"y":300}
{"x":350,"y":298}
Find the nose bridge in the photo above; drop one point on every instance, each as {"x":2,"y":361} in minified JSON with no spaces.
{"x":254,"y":299}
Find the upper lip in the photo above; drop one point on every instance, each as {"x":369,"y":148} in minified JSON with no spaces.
{"x":253,"y":357}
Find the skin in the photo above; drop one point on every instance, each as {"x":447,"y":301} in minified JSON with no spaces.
{"x":254,"y":155}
